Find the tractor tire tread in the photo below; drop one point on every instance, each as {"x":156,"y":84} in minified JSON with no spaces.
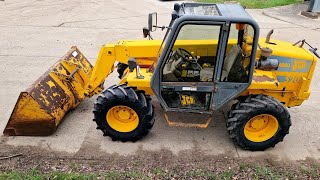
{"x":135,"y":99}
{"x":253,"y":103}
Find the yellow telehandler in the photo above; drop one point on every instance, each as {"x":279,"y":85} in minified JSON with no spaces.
{"x":210,"y":55}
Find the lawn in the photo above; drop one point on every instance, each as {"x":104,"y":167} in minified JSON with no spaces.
{"x":243,"y":171}
{"x":257,"y":4}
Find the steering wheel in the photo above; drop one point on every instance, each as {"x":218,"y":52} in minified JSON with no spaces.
{"x":184,"y":54}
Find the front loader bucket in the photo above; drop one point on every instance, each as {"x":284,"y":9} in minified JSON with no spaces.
{"x":41,"y":107}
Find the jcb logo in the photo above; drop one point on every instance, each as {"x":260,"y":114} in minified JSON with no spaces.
{"x":297,"y":65}
{"x":187,"y":100}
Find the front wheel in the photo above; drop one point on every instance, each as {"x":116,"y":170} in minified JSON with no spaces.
{"x":258,"y":122}
{"x":124,"y":113}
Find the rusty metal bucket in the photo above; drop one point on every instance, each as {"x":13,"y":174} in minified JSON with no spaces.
{"x":41,"y":107}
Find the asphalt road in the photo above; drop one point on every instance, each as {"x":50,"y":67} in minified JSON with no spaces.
{"x":35,"y":34}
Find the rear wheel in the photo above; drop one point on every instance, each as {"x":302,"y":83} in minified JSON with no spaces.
{"x":258,"y":122}
{"x":124,"y":113}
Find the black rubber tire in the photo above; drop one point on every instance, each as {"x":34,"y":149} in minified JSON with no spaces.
{"x":253,"y":105}
{"x":121,"y":67}
{"x":126,"y":96}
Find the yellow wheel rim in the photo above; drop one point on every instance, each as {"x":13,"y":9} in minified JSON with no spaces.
{"x":122,"y":119}
{"x":261,"y":128}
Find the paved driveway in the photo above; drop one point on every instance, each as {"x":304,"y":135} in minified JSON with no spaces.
{"x":35,"y":34}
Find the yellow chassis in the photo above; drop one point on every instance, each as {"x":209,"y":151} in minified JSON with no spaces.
{"x":289,"y":84}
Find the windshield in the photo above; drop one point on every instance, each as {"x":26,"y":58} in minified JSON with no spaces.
{"x":189,"y":32}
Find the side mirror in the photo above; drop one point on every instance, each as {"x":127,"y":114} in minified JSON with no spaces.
{"x":152,"y":21}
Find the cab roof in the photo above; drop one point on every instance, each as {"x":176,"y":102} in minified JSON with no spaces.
{"x":205,"y":9}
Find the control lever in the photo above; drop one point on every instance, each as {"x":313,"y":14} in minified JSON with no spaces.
{"x":312,"y":49}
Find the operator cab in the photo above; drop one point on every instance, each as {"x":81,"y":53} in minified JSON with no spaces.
{"x":207,"y":57}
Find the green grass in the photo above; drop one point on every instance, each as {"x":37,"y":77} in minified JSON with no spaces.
{"x":158,"y":172}
{"x":265,"y":172}
{"x":200,"y":173}
{"x":243,"y":170}
{"x":257,"y":4}
{"x":112,"y":175}
{"x":312,"y":171}
{"x":226,"y":175}
{"x":37,"y":175}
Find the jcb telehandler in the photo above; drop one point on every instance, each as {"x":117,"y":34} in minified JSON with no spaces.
{"x":210,"y":55}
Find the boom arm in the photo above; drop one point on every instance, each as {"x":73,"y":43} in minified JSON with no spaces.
{"x":144,"y":51}
{"x":103,"y":67}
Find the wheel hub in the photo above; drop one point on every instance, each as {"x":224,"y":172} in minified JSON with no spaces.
{"x":261,"y":128}
{"x":124,"y":114}
{"x":122,"y":118}
{"x":258,"y":123}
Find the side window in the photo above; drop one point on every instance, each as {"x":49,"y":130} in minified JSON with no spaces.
{"x":236,"y":63}
{"x":193,"y":55}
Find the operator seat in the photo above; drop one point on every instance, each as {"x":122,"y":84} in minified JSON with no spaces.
{"x":234,"y":53}
{"x":169,"y":71}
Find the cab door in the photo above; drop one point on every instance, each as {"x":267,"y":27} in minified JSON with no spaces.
{"x":205,"y":64}
{"x":189,"y":67}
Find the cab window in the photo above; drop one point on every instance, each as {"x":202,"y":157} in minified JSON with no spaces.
{"x":236,"y":62}
{"x":193,"y":55}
